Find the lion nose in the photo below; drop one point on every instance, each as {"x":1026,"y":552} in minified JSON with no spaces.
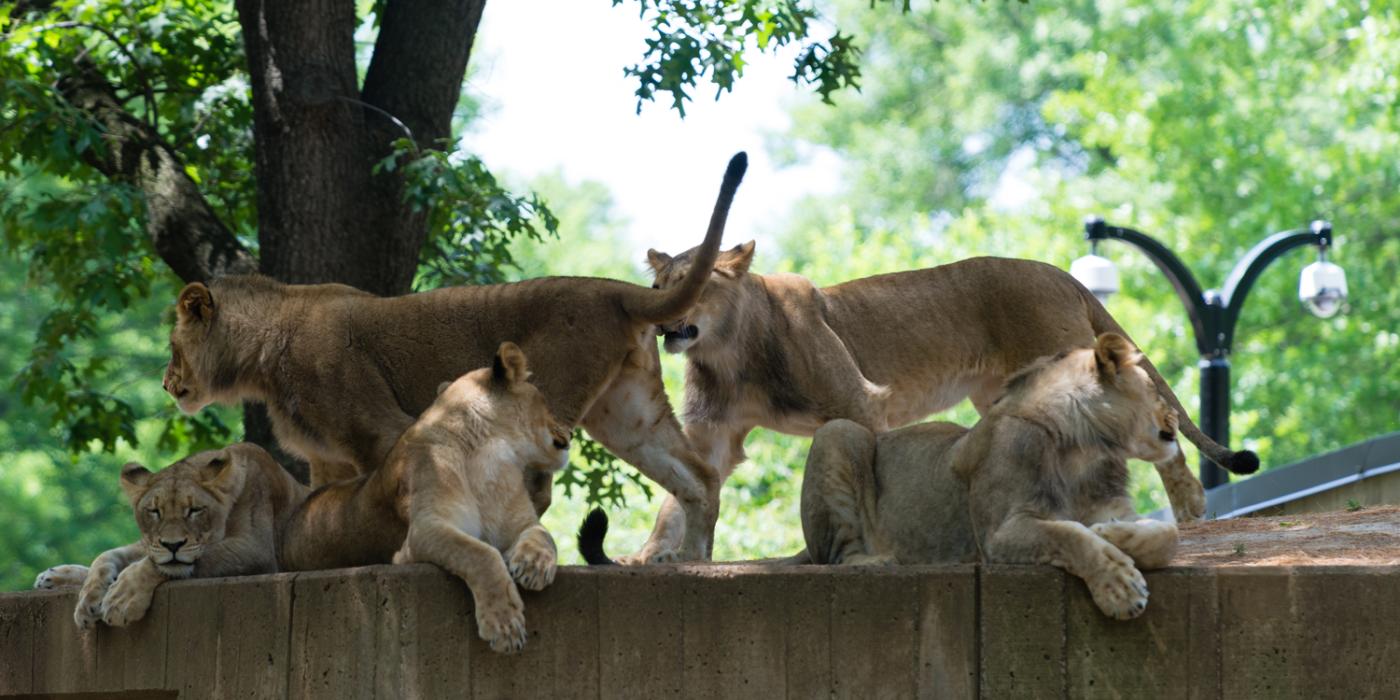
{"x":173,"y":546}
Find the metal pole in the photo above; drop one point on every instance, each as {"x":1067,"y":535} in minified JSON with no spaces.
{"x":1215,"y":414}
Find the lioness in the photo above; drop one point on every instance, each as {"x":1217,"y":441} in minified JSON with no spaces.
{"x":343,"y":373}
{"x":1041,"y":479}
{"x":778,"y":352}
{"x":215,"y":513}
{"x":453,"y":492}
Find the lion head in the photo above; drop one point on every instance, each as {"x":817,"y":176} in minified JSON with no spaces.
{"x":515,"y":409}
{"x":183,"y":509}
{"x":706,"y":322}
{"x":1099,"y":396}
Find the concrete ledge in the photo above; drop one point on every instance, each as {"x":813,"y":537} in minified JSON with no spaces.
{"x":746,"y":630}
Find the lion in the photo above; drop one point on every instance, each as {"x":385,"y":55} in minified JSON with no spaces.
{"x":343,"y":373}
{"x":1041,"y":479}
{"x":778,"y":352}
{"x":455,"y":492}
{"x":214,"y":513}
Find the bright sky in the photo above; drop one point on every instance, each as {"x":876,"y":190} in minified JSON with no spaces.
{"x":550,"y":75}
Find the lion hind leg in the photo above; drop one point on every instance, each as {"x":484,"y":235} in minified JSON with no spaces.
{"x":1115,"y":584}
{"x":1184,"y":491}
{"x":838,"y":494}
{"x":1151,"y":543}
{"x":634,"y":421}
{"x":500,"y":613}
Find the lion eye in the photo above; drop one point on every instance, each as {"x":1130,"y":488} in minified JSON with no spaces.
{"x":191,"y":512}
{"x":154,"y":513}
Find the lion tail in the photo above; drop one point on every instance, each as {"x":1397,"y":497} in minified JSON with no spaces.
{"x":1239,"y":462}
{"x":651,"y":306}
{"x":590,"y":538}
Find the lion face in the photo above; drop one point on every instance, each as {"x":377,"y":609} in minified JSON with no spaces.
{"x":183,"y":509}
{"x":516,"y":408}
{"x":703,"y":323}
{"x":1146,"y":425}
{"x":194,"y":311}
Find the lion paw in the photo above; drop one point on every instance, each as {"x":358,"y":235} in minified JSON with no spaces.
{"x":127,"y":601}
{"x":1193,"y":503}
{"x":1119,"y":589}
{"x":531,"y":564}
{"x":651,"y":555}
{"x":501,"y":622}
{"x":59,"y":577}
{"x":95,"y":587}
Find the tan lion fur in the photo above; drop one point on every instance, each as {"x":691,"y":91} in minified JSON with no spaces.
{"x":454,"y":492}
{"x":1041,"y":479}
{"x":778,"y":352}
{"x":215,"y":513}
{"x":344,"y":373}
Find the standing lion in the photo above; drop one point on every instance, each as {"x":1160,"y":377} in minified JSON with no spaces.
{"x":778,"y":352}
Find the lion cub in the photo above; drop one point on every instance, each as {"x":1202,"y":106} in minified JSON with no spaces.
{"x":1041,"y":479}
{"x":215,"y":513}
{"x":465,"y":466}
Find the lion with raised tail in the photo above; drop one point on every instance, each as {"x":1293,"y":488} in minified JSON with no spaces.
{"x":1041,"y":479}
{"x":343,"y":373}
{"x":778,"y":352}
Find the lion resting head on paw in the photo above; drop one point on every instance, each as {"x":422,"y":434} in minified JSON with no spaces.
{"x":215,"y":513}
{"x":1042,"y":478}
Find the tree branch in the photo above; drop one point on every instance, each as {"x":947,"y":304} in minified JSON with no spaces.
{"x":186,"y":233}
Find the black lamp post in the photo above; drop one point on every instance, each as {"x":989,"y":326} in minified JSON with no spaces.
{"x":1213,"y":313}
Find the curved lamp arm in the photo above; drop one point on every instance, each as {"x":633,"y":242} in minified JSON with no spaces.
{"x":1180,"y":277}
{"x":1248,"y":269}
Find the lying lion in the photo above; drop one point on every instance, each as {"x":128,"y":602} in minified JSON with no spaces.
{"x":453,"y":492}
{"x":778,"y":352}
{"x":216,"y":513}
{"x":343,"y":373}
{"x":1041,"y":479}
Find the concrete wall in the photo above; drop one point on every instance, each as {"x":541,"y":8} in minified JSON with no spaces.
{"x":731,"y":631}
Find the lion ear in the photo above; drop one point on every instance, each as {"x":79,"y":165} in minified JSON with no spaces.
{"x":443,"y":387}
{"x":195,"y":304}
{"x":736,"y":260}
{"x":1112,"y":353}
{"x":657,"y":259}
{"x":134,"y":479}
{"x":510,"y":366}
{"x":220,"y":473}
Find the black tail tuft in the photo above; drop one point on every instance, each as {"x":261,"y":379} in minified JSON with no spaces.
{"x":737,"y":165}
{"x":590,"y":538}
{"x":1242,"y":462}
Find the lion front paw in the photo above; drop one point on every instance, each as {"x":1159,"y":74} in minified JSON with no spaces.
{"x":501,"y":622}
{"x":95,"y":587}
{"x":1119,"y":588}
{"x":127,"y":601}
{"x":532,"y":564}
{"x":60,"y":577}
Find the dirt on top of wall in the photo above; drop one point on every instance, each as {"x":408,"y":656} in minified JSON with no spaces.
{"x":1369,"y":536}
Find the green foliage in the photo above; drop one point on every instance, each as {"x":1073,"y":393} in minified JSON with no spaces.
{"x":472,"y":220}
{"x":696,"y":39}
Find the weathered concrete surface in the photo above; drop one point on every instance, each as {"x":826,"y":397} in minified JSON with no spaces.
{"x":733,"y":631}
